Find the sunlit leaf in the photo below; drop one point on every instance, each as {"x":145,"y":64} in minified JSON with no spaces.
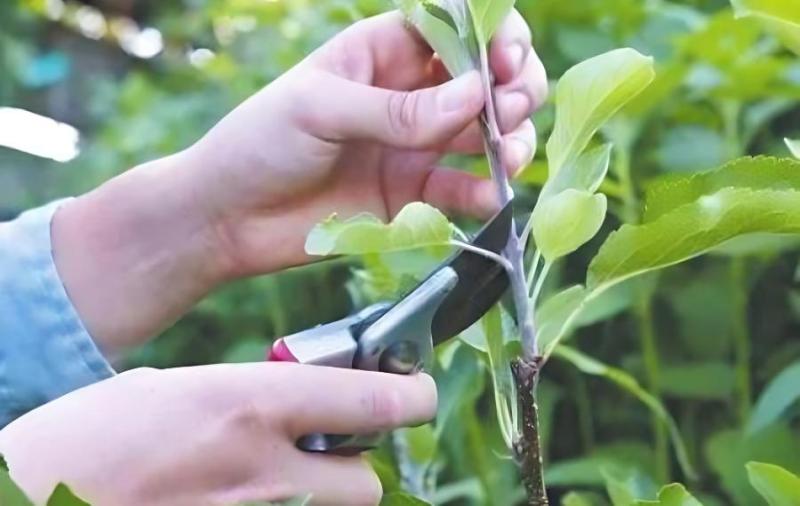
{"x":672,"y":495}
{"x":778,"y":396}
{"x":778,"y":486}
{"x":446,"y":27}
{"x":692,"y":230}
{"x":759,"y":173}
{"x":417,"y":225}
{"x":487,"y":15}
{"x":780,"y":17}
{"x":588,"y":95}
{"x":567,"y":221}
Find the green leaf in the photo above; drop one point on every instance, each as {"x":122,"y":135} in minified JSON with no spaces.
{"x":622,"y":457}
{"x":692,"y":230}
{"x":593,"y":367}
{"x":586,"y":173}
{"x":777,"y":485}
{"x":402,"y":499}
{"x":10,"y":493}
{"x":727,"y":453}
{"x":488,"y":15}
{"x":779,"y":17}
{"x":446,"y":27}
{"x":779,"y":395}
{"x":588,"y":95}
{"x":694,"y":380}
{"x":625,"y":487}
{"x":417,"y":225}
{"x":421,"y":443}
{"x":672,"y":495}
{"x":567,"y":221}
{"x":63,"y":496}
{"x":794,"y":147}
{"x":759,"y":173}
{"x":582,"y":499}
{"x":505,"y":396}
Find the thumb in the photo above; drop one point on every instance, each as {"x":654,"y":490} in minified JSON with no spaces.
{"x":414,"y":119}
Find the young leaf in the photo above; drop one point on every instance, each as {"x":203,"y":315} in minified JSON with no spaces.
{"x":779,"y":395}
{"x":505,"y":397}
{"x":672,"y":495}
{"x":417,"y":225}
{"x":588,"y":95}
{"x":759,"y":173}
{"x":690,"y":380}
{"x":586,"y":173}
{"x":567,"y":221}
{"x":63,"y":496}
{"x":691,"y":230}
{"x":778,"y":486}
{"x":779,"y":17}
{"x":794,"y":147}
{"x":488,"y":15}
{"x":589,"y":365}
{"x":447,"y":29}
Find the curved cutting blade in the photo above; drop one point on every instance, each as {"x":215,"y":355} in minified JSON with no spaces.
{"x":481,"y":280}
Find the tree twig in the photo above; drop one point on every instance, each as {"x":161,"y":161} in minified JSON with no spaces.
{"x":527,"y":448}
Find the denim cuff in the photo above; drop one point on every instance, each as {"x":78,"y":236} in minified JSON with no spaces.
{"x":45,"y":351}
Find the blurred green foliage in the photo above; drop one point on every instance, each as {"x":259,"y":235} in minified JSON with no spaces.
{"x":706,"y":337}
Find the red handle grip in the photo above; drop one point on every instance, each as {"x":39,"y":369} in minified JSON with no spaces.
{"x":280,"y":352}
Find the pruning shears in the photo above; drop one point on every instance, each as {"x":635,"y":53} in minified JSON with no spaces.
{"x":399,"y":337}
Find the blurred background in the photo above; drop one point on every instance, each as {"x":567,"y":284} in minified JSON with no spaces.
{"x":91,"y":88}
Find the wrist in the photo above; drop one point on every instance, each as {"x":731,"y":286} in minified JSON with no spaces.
{"x":137,"y":252}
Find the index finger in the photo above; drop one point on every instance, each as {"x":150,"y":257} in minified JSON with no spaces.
{"x":345,"y":401}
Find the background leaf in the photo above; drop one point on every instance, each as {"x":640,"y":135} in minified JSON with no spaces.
{"x":672,"y":495}
{"x":593,"y":367}
{"x":781,"y":17}
{"x":778,"y":396}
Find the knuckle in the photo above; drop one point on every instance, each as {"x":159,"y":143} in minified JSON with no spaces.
{"x":385,"y":407}
{"x":403,"y":113}
{"x":247,"y":417}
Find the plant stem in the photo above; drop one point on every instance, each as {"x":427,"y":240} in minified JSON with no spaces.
{"x":514,"y":250}
{"x":644,"y":316}
{"x":527,"y":448}
{"x":741,"y":337}
{"x":534,"y":267}
{"x":491,"y":255}
{"x":540,"y":283}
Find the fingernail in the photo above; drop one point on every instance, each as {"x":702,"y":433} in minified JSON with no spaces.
{"x":464,"y":91}
{"x":521,"y":155}
{"x":516,"y":55}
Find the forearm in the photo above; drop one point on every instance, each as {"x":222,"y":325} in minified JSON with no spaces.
{"x":137,"y":252}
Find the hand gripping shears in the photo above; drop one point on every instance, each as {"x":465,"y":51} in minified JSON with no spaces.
{"x":399,"y":337}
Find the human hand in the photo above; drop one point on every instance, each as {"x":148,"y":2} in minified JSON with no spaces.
{"x":361,"y":125}
{"x":212,"y":435}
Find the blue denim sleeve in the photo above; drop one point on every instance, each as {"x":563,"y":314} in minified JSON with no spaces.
{"x":45,"y":351}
